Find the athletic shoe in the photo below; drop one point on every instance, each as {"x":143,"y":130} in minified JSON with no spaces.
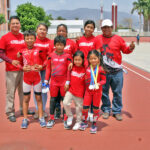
{"x":76,"y":126}
{"x":12,"y":118}
{"x":66,"y":126}
{"x":83,"y":126}
{"x":105,"y":115}
{"x":24,"y":124}
{"x":69,"y":121}
{"x":118,"y":117}
{"x":42,"y":122}
{"x":36,"y":115}
{"x":50,"y":124}
{"x":93,"y":129}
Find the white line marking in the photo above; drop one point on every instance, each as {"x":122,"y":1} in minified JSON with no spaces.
{"x":137,"y":73}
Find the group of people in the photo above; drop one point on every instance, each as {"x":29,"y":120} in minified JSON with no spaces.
{"x":81,"y":71}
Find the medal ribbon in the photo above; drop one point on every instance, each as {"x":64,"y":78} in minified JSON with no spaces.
{"x":94,"y":74}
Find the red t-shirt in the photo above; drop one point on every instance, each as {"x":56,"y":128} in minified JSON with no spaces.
{"x":57,"y":68}
{"x":31,"y":57}
{"x":86,"y":44}
{"x":70,"y":47}
{"x":101,"y":79}
{"x":11,"y":44}
{"x":77,"y":81}
{"x":43,"y":45}
{"x":111,"y":49}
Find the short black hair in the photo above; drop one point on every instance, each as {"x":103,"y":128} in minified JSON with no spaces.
{"x":79,"y":53}
{"x":14,"y":17}
{"x":65,"y":26}
{"x":89,"y":22}
{"x":29,"y":32}
{"x":60,"y":39}
{"x":42,"y":24}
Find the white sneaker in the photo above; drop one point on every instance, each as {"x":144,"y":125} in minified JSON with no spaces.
{"x":76,"y":126}
{"x":91,"y":117}
{"x":69,"y":121}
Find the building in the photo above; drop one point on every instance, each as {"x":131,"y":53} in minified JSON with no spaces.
{"x":74,"y":26}
{"x":5,"y":9}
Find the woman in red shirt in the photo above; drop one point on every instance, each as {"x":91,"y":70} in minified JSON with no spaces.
{"x":42,"y":43}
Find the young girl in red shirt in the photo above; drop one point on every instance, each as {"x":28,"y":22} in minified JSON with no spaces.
{"x":95,"y":78}
{"x":76,"y":90}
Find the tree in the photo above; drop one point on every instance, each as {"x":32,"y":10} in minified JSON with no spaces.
{"x":76,"y":18}
{"x":2,"y":19}
{"x":142,"y":7}
{"x":60,"y":18}
{"x":128,"y":22}
{"x":138,"y":7}
{"x":30,"y":16}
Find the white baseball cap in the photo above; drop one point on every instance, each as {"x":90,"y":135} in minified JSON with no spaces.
{"x":107,"y":22}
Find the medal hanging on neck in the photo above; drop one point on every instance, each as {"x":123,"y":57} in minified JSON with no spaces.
{"x":94,"y":75}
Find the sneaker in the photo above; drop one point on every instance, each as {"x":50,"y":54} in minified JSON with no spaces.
{"x":42,"y":122}
{"x":69,"y":121}
{"x":45,"y":114}
{"x":36,"y":115}
{"x":83,"y":126}
{"x":12,"y":118}
{"x":118,"y":117}
{"x":76,"y":126}
{"x":105,"y":115}
{"x":93,"y":129}
{"x":24,"y":124}
{"x":50,"y":124}
{"x":66,"y":126}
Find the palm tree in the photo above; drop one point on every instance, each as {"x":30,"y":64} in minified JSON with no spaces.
{"x":138,"y":6}
{"x":147,"y":14}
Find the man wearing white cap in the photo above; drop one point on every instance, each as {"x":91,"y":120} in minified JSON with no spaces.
{"x":111,"y":47}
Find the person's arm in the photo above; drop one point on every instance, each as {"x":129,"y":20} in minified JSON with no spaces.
{"x":127,"y":49}
{"x":102,"y":77}
{"x":4,"y":57}
{"x":48,"y":69}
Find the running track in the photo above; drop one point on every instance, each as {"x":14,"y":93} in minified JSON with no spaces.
{"x":133,"y":133}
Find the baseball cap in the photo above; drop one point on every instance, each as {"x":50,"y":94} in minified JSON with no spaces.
{"x":107,"y":22}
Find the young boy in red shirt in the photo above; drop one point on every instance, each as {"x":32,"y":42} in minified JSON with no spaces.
{"x":31,"y":57}
{"x":57,"y":70}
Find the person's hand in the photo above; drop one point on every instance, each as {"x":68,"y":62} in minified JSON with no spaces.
{"x":18,"y":55}
{"x":70,"y":66}
{"x":15,"y":63}
{"x":38,"y":67}
{"x":27,"y":68}
{"x":66,"y":87}
{"x":132,"y":46}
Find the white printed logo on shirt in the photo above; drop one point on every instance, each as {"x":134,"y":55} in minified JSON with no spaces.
{"x":86,"y":44}
{"x":17,"y":42}
{"x":75,"y":74}
{"x":41,"y":45}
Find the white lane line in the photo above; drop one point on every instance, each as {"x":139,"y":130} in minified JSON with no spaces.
{"x":148,"y":79}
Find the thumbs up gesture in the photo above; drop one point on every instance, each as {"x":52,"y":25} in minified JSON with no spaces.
{"x":132,"y":46}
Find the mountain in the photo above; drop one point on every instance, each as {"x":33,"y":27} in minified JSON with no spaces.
{"x":93,"y":14}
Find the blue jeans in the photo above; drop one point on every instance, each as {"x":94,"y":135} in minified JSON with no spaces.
{"x":44,"y":95}
{"x":115,"y":81}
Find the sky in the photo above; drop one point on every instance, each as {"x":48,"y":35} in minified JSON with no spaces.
{"x":123,"y":5}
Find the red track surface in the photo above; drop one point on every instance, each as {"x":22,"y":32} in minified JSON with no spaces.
{"x":133,"y":133}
